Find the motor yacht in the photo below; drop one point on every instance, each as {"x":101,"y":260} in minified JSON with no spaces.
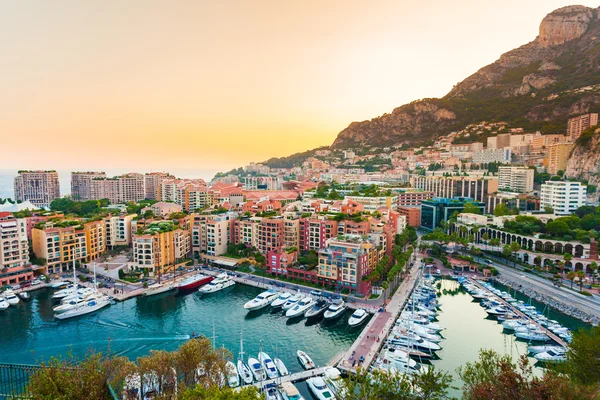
{"x":543,"y":349}
{"x":65,"y":292}
{"x":399,"y":357}
{"x":292,"y":301}
{"x":58,"y":284}
{"x":319,"y":388}
{"x":257,"y":369}
{"x":358,"y":317}
{"x":281,"y":299}
{"x":335,"y":310}
{"x":233,"y":378}
{"x":261,"y":301}
{"x":290,"y":392}
{"x":79,"y":293}
{"x":412,"y":342}
{"x":24,"y":296}
{"x":64,"y":307}
{"x":305,"y":360}
{"x":281,"y":368}
{"x":333,"y":378}
{"x":3,"y":303}
{"x":194,"y":282}
{"x":318,"y":308}
{"x":299,"y":309}
{"x":534,"y":335}
{"x":158,"y":288}
{"x":270,"y":391}
{"x":11,"y":297}
{"x":221,"y":282}
{"x":551,"y":356}
{"x":90,"y":306}
{"x":268,"y":365}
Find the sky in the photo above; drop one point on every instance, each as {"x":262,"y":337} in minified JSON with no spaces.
{"x":191,"y":84}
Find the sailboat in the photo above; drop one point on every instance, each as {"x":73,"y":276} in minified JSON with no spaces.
{"x":90,"y":305}
{"x":158,"y":287}
{"x":242,"y":368}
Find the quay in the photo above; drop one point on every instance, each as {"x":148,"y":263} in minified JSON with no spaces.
{"x":371,"y":340}
{"x":293,"y":378}
{"x":551,"y":334}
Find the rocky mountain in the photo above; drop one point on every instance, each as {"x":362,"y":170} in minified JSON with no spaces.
{"x":537,"y":86}
{"x":584,"y":163}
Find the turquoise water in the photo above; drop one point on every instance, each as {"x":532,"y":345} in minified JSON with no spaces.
{"x":29,"y":333}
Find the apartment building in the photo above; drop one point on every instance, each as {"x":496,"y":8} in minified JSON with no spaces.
{"x":314,"y":232}
{"x":105,"y":188}
{"x":373,"y":203}
{"x":412,"y":197}
{"x":576,"y":126}
{"x":558,"y":156}
{"x":210,"y":234}
{"x":160,"y":248}
{"x":500,"y":155}
{"x":131,"y":187}
{"x":436,"y":210}
{"x":514,"y":201}
{"x":39,"y":187}
{"x":291,"y":233}
{"x":516,"y":179}
{"x":476,"y":188}
{"x":540,"y":141}
{"x":152,"y":184}
{"x":499,"y":142}
{"x":14,"y":250}
{"x":81,"y":184}
{"x":118,"y":230}
{"x":344,"y":262}
{"x":217,"y":236}
{"x":563,"y":197}
{"x":244,"y":231}
{"x":270,"y":233}
{"x":412,"y":215}
{"x":163,"y":209}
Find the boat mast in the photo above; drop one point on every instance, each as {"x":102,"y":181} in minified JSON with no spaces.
{"x":241,"y":354}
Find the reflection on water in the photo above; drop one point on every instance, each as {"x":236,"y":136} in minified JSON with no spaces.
{"x":29,"y":332}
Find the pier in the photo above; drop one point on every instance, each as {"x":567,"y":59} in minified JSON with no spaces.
{"x":373,"y":336}
{"x":550,"y":334}
{"x":296,"y":377}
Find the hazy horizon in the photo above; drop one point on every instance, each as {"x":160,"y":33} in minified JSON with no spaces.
{"x":150,"y":85}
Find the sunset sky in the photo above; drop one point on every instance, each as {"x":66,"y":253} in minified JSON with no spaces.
{"x":215,"y":84}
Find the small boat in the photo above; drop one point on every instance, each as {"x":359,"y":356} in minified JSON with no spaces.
{"x":261,"y":301}
{"x":89,"y":307}
{"x":543,"y":349}
{"x":333,"y":378}
{"x":58,"y":284}
{"x":24,"y":296}
{"x":292,"y":301}
{"x":532,"y":335}
{"x":11,"y":297}
{"x":319,"y":388}
{"x":551,"y":356}
{"x":281,"y":300}
{"x":242,"y":368}
{"x":268,"y":365}
{"x":305,"y":360}
{"x":3,"y":303}
{"x":158,"y":288}
{"x":270,"y":391}
{"x":290,"y":392}
{"x":318,"y":308}
{"x":335,"y":311}
{"x":299,"y":309}
{"x":283,"y":371}
{"x":257,"y":369}
{"x":221,"y":282}
{"x":194,"y":282}
{"x":358,"y":317}
{"x":233,"y":379}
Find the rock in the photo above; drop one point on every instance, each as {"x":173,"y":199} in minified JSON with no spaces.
{"x":538,"y":81}
{"x":584,"y":162}
{"x":549,"y":66}
{"x":564,"y":24}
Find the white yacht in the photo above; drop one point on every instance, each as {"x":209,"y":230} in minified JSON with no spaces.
{"x":333,"y":378}
{"x":65,"y":292}
{"x":257,"y":369}
{"x":319,"y":388}
{"x":299,"y":309}
{"x":283,"y":371}
{"x":221,"y":282}
{"x":242,"y":368}
{"x":90,"y":306}
{"x":292,"y":301}
{"x":268,"y":365}
{"x":358,"y":317}
{"x":335,"y":310}
{"x":261,"y":301}
{"x":290,"y":392}
{"x":270,"y":391}
{"x":305,"y":360}
{"x":543,"y":349}
{"x":233,"y":379}
{"x":3,"y":303}
{"x":82,"y":293}
{"x":281,"y":300}
{"x":58,"y":284}
{"x":24,"y":295}
{"x":11,"y":297}
{"x":551,"y":356}
{"x":158,"y":288}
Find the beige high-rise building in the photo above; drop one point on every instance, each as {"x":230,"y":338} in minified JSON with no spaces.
{"x":105,"y":188}
{"x":558,"y":155}
{"x":124,"y":188}
{"x":577,"y":125}
{"x":160,"y":248}
{"x":516,"y":179}
{"x":39,"y":187}
{"x":153,"y":182}
{"x":81,"y":184}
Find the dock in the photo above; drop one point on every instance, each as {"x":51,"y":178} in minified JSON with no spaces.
{"x":370,"y":342}
{"x":293,"y":378}
{"x":551,"y":334}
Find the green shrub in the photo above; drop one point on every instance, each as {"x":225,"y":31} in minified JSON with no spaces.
{"x":585,"y":293}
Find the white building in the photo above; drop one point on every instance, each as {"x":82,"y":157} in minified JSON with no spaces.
{"x":492,"y":155}
{"x":516,"y":179}
{"x":563,"y":196}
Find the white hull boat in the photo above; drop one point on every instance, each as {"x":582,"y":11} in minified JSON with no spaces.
{"x":221,"y":282}
{"x":257,"y":369}
{"x":543,"y":349}
{"x":335,"y":311}
{"x":11,"y":297}
{"x":319,"y":388}
{"x":64,"y":292}
{"x":551,"y":357}
{"x":299,"y":309}
{"x":233,"y":379}
{"x":305,"y":360}
{"x":290,"y":392}
{"x":261,"y":301}
{"x":358,"y":317}
{"x":281,"y":300}
{"x":268,"y":365}
{"x":90,"y":307}
{"x":3,"y":304}
{"x":244,"y":372}
{"x":283,"y":371}
{"x":158,"y":288}
{"x":291,"y":302}
{"x":24,"y":296}
{"x":57,"y":284}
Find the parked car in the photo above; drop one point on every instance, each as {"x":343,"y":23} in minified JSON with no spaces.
{"x":280,"y":284}
{"x":36,"y":282}
{"x":15,"y":287}
{"x":25,"y":284}
{"x":315,"y":292}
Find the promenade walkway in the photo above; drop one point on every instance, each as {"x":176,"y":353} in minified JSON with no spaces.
{"x":370,"y":341}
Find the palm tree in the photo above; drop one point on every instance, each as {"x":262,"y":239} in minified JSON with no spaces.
{"x":485,"y":238}
{"x":514,"y":249}
{"x":567,"y":257}
{"x":571,"y":277}
{"x":581,"y":276}
{"x":593,"y":267}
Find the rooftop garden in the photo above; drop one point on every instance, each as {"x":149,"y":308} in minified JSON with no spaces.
{"x":157,"y":227}
{"x":58,"y":223}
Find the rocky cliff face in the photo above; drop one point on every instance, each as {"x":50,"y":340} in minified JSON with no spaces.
{"x":584,"y":163}
{"x":536,"y":82}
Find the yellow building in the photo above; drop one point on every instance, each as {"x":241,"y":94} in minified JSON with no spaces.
{"x":558,"y":155}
